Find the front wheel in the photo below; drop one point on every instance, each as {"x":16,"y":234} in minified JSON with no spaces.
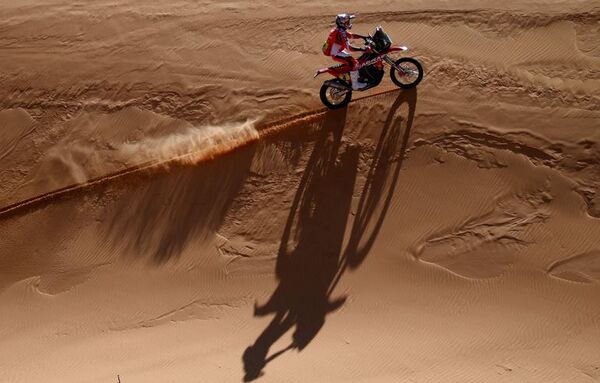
{"x":335,"y":98}
{"x":410,"y":74}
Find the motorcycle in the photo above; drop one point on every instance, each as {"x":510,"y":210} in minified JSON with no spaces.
{"x":405,"y":72}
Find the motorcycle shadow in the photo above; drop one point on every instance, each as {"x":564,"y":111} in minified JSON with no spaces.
{"x":312,"y":257}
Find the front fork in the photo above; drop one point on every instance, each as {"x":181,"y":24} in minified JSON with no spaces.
{"x":390,"y":61}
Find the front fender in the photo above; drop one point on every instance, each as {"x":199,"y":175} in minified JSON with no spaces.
{"x":398,"y":49}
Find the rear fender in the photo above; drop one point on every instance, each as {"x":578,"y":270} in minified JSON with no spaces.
{"x":321,"y":71}
{"x":335,"y":70}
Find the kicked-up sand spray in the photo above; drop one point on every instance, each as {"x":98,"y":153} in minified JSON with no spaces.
{"x":186,"y":147}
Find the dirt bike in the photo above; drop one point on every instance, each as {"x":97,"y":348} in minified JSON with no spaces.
{"x":405,"y":72}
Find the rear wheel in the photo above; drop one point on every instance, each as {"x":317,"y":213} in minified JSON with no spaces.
{"x":335,"y":98}
{"x":410,"y":75}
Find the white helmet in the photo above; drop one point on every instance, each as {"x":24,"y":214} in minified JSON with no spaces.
{"x":343,"y":20}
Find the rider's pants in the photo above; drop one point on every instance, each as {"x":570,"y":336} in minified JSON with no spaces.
{"x":346,"y":59}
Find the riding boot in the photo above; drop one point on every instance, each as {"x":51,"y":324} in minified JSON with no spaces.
{"x":355,"y":83}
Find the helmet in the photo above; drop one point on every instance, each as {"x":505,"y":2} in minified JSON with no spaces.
{"x":343,"y":20}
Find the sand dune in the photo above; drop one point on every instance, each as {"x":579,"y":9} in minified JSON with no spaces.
{"x":176,"y":205}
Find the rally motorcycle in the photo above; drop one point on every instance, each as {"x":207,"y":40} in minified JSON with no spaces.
{"x":405,"y":72}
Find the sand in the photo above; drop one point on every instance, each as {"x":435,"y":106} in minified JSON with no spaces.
{"x":177,"y":206}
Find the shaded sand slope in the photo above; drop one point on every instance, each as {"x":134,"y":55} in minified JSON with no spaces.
{"x":448,"y":233}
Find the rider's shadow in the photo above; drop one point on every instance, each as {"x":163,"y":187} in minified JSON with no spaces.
{"x":311,"y":256}
{"x":310,"y":247}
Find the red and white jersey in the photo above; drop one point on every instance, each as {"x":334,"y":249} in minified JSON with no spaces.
{"x":337,"y":42}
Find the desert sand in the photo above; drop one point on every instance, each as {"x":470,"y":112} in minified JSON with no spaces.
{"x":177,"y":206}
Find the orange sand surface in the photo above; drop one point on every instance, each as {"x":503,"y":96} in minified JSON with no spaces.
{"x":177,"y":206}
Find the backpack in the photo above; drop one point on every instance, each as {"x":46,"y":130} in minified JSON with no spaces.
{"x":326,"y":48}
{"x":328,"y":44}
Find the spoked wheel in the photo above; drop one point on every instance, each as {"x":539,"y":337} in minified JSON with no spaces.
{"x":410,"y":75}
{"x":335,"y":98}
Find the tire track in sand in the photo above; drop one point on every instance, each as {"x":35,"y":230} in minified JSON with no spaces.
{"x":193,"y":158}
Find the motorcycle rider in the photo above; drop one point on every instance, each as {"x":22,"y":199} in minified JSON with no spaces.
{"x":338,"y":46}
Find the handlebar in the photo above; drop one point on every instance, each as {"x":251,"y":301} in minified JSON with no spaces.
{"x":369,"y":43}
